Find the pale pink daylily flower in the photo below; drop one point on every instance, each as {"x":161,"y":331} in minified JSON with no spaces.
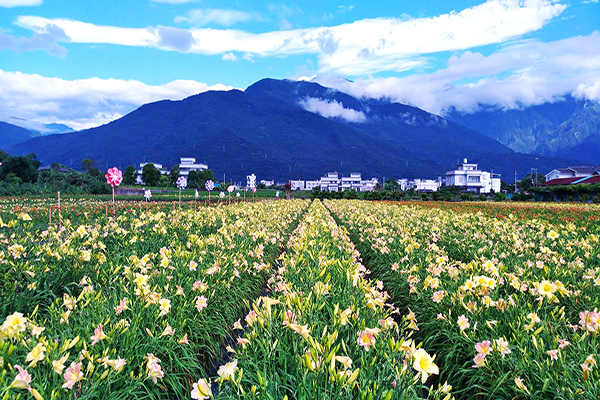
{"x":72,"y":375}
{"x":366,"y":339}
{"x":201,"y":303}
{"x":22,"y":380}
{"x":122,"y":306}
{"x":553,"y":354}
{"x":98,"y":335}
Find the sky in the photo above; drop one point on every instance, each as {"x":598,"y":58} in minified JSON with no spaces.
{"x":86,"y":63}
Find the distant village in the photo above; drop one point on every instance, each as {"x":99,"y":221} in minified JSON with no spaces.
{"x":467,"y":176}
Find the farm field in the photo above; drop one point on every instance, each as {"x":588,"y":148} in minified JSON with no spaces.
{"x":341,"y":299}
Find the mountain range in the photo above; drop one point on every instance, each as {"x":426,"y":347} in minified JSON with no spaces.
{"x":568,"y":127}
{"x":282,"y":129}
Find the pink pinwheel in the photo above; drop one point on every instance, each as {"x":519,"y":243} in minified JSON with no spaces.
{"x":114,"y":177}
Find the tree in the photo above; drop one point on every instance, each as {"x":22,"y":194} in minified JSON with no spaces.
{"x":207,"y":175}
{"x":3,"y":156}
{"x":87,"y":165}
{"x":193,"y":180}
{"x":174,"y":175}
{"x":163,"y":181}
{"x":505,"y":187}
{"x":261,"y":185}
{"x":130,"y":175}
{"x":22,"y":167}
{"x":391,"y":185}
{"x":150,"y":175}
{"x":525,"y":184}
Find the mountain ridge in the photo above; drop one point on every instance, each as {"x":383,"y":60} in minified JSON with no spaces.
{"x":268,"y":130}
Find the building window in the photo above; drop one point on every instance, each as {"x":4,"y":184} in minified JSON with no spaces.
{"x":474,"y":179}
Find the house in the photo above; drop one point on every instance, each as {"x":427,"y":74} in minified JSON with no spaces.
{"x":188,"y":164}
{"x":250,"y":181}
{"x":138,"y":179}
{"x":469,"y":178}
{"x":352,"y":182}
{"x":297,"y":185}
{"x":420,"y":185}
{"x":426,"y":185}
{"x":330,"y":182}
{"x":53,"y":167}
{"x":267,"y":183}
{"x":570,"y":172}
{"x":368,"y":185}
{"x":310,"y":185}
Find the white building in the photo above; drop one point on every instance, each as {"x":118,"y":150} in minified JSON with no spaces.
{"x":304,"y":185}
{"x":188,"y":164}
{"x":426,"y":185}
{"x":420,"y":185}
{"x":330,"y":182}
{"x":298,"y":185}
{"x":368,"y":185}
{"x":572,"y":172}
{"x":469,"y":178}
{"x":352,"y":182}
{"x":309,"y":185}
{"x":158,"y":166}
{"x":250,"y":181}
{"x":267,"y":183}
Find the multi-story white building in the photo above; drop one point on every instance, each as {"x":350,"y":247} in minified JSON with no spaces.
{"x":333,"y":183}
{"x":469,"y":178}
{"x":188,"y":164}
{"x":352,"y":182}
{"x":330,"y":182}
{"x":250,"y":181}
{"x":158,"y":166}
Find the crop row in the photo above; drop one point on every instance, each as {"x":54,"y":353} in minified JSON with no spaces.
{"x":132,"y":307}
{"x":325,"y":331}
{"x":509,"y":306}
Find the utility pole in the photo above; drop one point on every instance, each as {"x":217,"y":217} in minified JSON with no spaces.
{"x":536,"y":176}
{"x":515,"y":181}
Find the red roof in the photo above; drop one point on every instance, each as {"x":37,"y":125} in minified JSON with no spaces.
{"x":593,"y":179}
{"x":562,"y":181}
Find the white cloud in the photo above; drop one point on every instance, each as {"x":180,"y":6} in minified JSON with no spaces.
{"x":19,"y":3}
{"x":521,"y":74}
{"x":202,"y":17}
{"x":332,"y":109}
{"x":362,"y":47}
{"x":82,"y":103}
{"x":229,"y":57}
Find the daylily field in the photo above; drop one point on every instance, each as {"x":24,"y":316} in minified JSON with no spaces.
{"x":341,"y":299}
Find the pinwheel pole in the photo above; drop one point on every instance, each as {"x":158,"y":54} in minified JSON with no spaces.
{"x":181,"y":184}
{"x":114,"y":177}
{"x":230,"y":189}
{"x":209,"y":185}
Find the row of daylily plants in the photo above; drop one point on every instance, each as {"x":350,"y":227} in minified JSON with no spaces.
{"x":134,"y":307}
{"x":324,"y":331}
{"x":509,"y":306}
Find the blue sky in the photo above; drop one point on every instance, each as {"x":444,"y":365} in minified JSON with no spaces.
{"x":85,"y":63}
